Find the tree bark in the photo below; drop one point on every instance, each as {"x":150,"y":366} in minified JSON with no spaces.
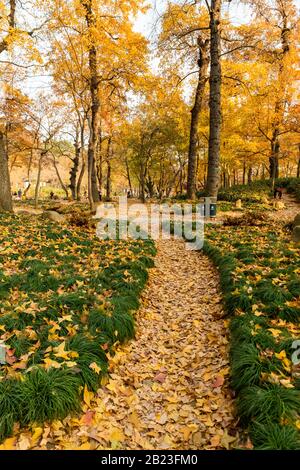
{"x":202,"y":78}
{"x":5,"y":188}
{"x":83,"y":164}
{"x":215,"y":118}
{"x":250,"y":175}
{"x":279,"y":106}
{"x":128,"y":174}
{"x":108,"y":175}
{"x":95,"y":106}
{"x":38,"y":180}
{"x":298,"y":166}
{"x":63,"y":186}
{"x":74,"y":169}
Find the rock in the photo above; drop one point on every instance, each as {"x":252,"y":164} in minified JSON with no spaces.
{"x":296,"y":222}
{"x":296,"y":234}
{"x":54,"y":216}
{"x":23,"y":212}
{"x":278,"y":205}
{"x":238,"y":204}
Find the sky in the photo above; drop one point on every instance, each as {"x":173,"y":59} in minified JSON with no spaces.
{"x":146,"y":24}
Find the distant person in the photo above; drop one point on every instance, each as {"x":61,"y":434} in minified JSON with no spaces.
{"x":278,"y":192}
{"x":20,"y":193}
{"x":52,"y":195}
{"x":100,"y":195}
{"x":129,"y":194}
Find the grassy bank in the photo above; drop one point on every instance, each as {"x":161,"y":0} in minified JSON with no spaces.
{"x":259,"y":270}
{"x":66,"y":299}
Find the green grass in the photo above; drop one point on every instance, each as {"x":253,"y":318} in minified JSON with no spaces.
{"x":259,"y":272}
{"x":272,"y":436}
{"x":66,"y":299}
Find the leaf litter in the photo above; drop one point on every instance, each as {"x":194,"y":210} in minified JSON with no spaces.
{"x":167,"y":388}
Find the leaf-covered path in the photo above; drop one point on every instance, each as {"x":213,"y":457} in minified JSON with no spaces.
{"x":168,"y":387}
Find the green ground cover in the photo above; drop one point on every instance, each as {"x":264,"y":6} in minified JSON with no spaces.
{"x":260,"y":278}
{"x":66,"y":300}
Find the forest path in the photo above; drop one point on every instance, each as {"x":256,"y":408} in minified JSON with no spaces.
{"x":291,"y":209}
{"x":168,"y":388}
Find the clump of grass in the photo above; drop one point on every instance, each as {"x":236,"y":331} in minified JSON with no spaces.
{"x":10,"y":406}
{"x":273,"y":436}
{"x":270,"y":402}
{"x":48,"y":395}
{"x":90,"y":352}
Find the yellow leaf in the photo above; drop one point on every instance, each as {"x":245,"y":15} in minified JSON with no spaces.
{"x":50,"y":363}
{"x":281,"y":355}
{"x":85,"y":446}
{"x":275,"y":332}
{"x":60,"y":351}
{"x":87,"y":396}
{"x":70,"y":364}
{"x":94,"y":366}
{"x":227,"y":440}
{"x":116,"y":435}
{"x":112,"y":386}
{"x":37,"y":432}
{"x":8,"y":444}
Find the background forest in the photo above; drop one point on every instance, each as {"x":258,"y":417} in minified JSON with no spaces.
{"x":93,"y":107}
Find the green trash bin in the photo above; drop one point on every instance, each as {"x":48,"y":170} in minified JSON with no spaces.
{"x":213,"y":210}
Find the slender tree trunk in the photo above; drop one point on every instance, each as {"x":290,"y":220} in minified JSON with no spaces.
{"x":298,"y":166}
{"x":202,"y":78}
{"x":83,"y":164}
{"x":28,"y":173}
{"x":215,"y":119}
{"x":108,"y":175}
{"x":250,"y":175}
{"x":244,"y":172}
{"x":63,"y":186}
{"x":128,"y":174}
{"x":79,"y":182}
{"x":279,"y":105}
{"x":142,"y":183}
{"x":38,"y":181}
{"x":274,"y":158}
{"x":74,"y":169}
{"x":95,"y":106}
{"x":5,"y":188}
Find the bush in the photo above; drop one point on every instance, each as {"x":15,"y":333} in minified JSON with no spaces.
{"x":247,"y":193}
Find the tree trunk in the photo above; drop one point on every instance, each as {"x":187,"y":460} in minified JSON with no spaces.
{"x":244,"y":172}
{"x":250,"y":175}
{"x":74,"y":169}
{"x":95,"y":105}
{"x":38,"y":180}
{"x":79,"y":182}
{"x":202,"y":78}
{"x":5,"y":189}
{"x":108,"y":175}
{"x":83,"y":164}
{"x":279,"y":105}
{"x":128,"y":174}
{"x":28,"y":173}
{"x":63,"y":186}
{"x":215,"y":118}
{"x":298,"y":166}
